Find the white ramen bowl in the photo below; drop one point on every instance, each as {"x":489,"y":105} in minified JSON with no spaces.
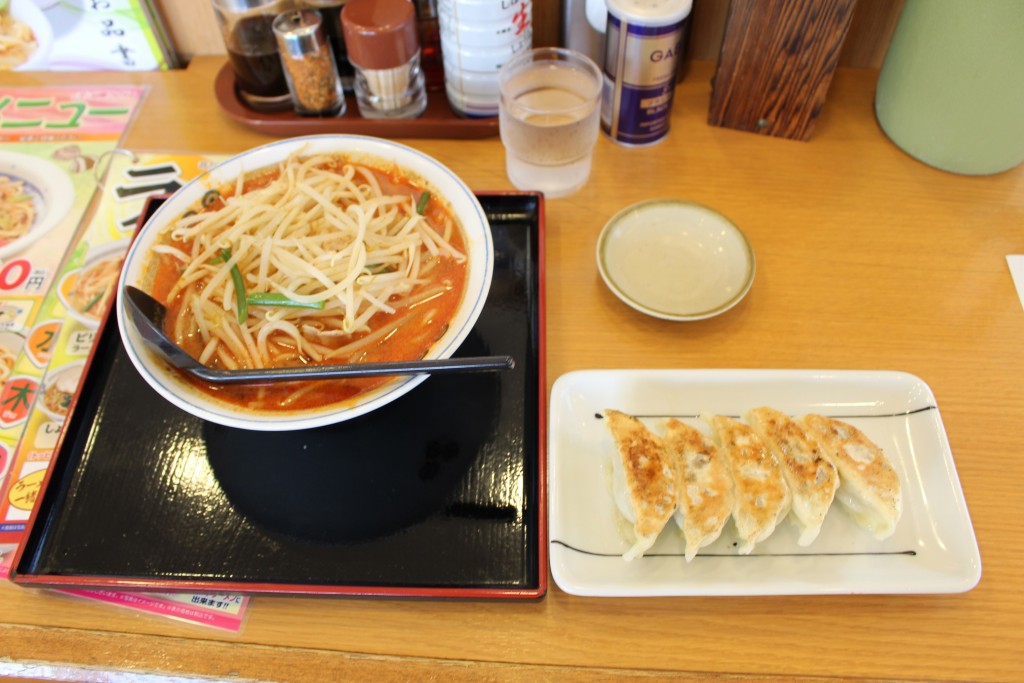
{"x":441,"y":182}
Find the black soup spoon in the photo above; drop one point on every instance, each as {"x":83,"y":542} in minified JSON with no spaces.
{"x":148,"y":314}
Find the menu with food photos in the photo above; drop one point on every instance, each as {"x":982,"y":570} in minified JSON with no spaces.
{"x":74,"y":202}
{"x":62,"y":335}
{"x":83,"y":35}
{"x":53,"y":143}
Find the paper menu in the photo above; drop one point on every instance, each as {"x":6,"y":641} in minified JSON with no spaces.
{"x":97,"y":35}
{"x":45,"y":378}
{"x":62,"y":334}
{"x":55,"y":323}
{"x":1016,"y":264}
{"x":62,"y":339}
{"x":222,"y":611}
{"x":52,"y":143}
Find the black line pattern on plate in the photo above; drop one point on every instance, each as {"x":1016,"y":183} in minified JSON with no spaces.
{"x":905,"y":413}
{"x":907,"y":553}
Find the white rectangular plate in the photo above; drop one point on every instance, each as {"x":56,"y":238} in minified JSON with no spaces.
{"x":933,"y":549}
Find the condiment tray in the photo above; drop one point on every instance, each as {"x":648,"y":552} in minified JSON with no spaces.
{"x":438,"y":121}
{"x":441,"y":493}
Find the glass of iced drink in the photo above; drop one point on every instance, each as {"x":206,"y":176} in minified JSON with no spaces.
{"x":549,"y":119}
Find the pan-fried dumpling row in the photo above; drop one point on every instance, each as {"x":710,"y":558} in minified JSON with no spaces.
{"x":755,"y":473}
{"x":869,"y":487}
{"x":762,"y":496}
{"x":704,"y":485}
{"x":643,"y":480}
{"x":812,"y":478}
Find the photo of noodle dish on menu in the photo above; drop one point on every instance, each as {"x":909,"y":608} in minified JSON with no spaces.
{"x":323,"y":249}
{"x":58,"y":390}
{"x":10,"y":346}
{"x":35,"y":196}
{"x":25,"y":36}
{"x":88,"y":291}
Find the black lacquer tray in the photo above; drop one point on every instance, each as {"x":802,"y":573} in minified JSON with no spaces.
{"x":441,"y":493}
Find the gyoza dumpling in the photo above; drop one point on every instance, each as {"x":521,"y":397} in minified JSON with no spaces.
{"x":704,"y":485}
{"x":811,"y":476}
{"x":643,"y":480}
{"x":762,"y":495}
{"x":869,"y":487}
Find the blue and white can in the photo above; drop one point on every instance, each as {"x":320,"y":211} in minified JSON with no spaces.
{"x":643,"y":41}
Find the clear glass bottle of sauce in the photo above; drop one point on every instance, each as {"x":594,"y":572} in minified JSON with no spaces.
{"x":247,"y":29}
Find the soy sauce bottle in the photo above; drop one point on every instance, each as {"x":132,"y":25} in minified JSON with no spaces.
{"x":247,"y":29}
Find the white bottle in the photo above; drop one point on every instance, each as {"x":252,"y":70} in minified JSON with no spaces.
{"x":477,"y":37}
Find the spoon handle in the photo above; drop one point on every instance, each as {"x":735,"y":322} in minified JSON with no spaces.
{"x":307,"y":372}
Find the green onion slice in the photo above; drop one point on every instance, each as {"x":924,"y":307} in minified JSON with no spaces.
{"x":421,"y":205}
{"x":279,"y":299}
{"x":236,"y":277}
{"x":93,"y":301}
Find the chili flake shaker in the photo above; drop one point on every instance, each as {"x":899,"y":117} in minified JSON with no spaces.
{"x":309,"y":65}
{"x":330,"y":13}
{"x":383,"y":45}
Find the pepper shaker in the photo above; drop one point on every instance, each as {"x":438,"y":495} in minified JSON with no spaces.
{"x":309,"y":65}
{"x":384,"y":47}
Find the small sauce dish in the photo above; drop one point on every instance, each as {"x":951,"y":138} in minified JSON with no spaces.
{"x":675,"y":259}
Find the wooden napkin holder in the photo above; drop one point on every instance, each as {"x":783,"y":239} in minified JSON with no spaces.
{"x":776,"y":64}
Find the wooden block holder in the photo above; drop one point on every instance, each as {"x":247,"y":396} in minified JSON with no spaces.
{"x":776,"y":64}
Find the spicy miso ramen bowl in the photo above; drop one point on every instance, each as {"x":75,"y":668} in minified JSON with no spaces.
{"x":455,"y":267}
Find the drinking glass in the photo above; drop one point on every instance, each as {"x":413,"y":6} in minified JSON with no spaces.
{"x":549,"y":117}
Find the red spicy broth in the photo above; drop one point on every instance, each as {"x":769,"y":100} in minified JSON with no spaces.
{"x":407,"y":342}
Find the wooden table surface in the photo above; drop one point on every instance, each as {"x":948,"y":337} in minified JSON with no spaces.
{"x":866,"y":259}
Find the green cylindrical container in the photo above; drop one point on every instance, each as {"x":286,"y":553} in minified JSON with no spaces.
{"x":951,"y":89}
